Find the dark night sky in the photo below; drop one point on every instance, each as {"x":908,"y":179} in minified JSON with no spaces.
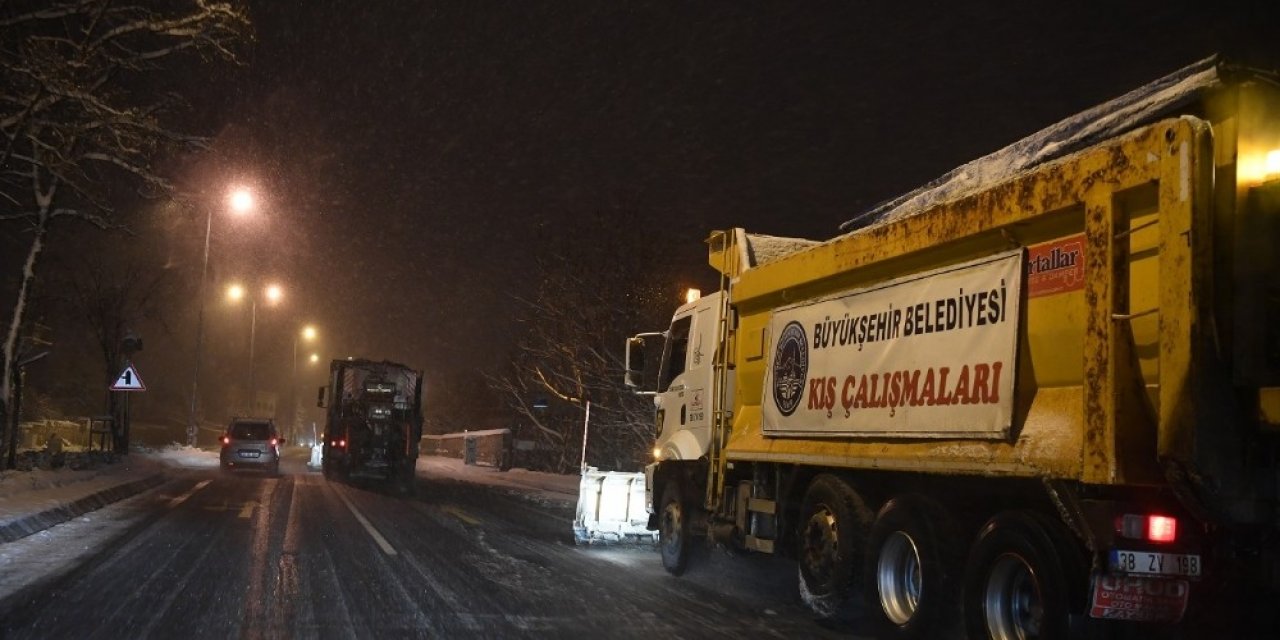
{"x":414,"y":153}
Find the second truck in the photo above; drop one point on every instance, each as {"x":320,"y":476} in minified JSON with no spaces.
{"x":373,"y":422}
{"x":1042,"y":392}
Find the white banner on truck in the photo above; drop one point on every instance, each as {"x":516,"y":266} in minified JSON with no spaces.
{"x":930,"y":355}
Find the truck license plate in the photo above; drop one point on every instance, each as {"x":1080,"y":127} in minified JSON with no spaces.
{"x":1139,"y":598}
{"x":1155,"y":563}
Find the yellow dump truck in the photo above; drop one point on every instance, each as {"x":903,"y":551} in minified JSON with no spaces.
{"x":1038,"y":393}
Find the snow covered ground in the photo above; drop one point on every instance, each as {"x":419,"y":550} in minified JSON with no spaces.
{"x":544,"y":488}
{"x":54,"y":550}
{"x":25,"y":492}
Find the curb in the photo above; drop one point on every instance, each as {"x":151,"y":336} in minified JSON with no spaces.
{"x":37,"y":522}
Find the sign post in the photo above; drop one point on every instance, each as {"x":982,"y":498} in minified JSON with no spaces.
{"x":128,"y":380}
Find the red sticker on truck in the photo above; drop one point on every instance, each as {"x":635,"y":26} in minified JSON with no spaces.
{"x":1139,"y":599}
{"x":1055,"y":267}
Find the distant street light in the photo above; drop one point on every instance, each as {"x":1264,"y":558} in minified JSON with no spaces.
{"x":273,"y":294}
{"x":241,"y":202}
{"x":315,"y":357}
{"x":307,"y":333}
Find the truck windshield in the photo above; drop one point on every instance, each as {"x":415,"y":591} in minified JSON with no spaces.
{"x":673,"y":356}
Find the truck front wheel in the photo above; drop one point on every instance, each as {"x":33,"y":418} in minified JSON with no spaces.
{"x":832,"y":538}
{"x":673,"y":530}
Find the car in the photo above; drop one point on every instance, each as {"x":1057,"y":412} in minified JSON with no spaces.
{"x":251,"y":443}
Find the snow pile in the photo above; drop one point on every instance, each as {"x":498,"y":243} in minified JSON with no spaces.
{"x":14,"y":482}
{"x":1131,"y":110}
{"x":184,"y":456}
{"x":764,"y":249}
{"x":549,"y":489}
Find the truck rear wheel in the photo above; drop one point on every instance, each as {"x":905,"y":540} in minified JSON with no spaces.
{"x":913,"y":570}
{"x":832,"y":538}
{"x":673,"y":530}
{"x":1018,"y":580}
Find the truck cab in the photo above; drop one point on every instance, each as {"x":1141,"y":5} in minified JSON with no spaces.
{"x":684,"y":385}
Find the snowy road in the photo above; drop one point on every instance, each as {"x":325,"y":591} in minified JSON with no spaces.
{"x":249,"y":556}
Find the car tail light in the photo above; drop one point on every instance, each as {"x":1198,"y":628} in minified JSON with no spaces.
{"x":342,"y":443}
{"x":225,"y":440}
{"x":1149,"y":527}
{"x":274,"y":441}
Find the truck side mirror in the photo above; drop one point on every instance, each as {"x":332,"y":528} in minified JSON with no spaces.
{"x":634,"y":377}
{"x":320,"y":398}
{"x":634,"y":362}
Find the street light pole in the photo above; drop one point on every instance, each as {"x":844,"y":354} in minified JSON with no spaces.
{"x":236,"y":292}
{"x":293,"y":394}
{"x":195,"y":376}
{"x":241,"y":201}
{"x":253,"y":330}
{"x":307,"y":332}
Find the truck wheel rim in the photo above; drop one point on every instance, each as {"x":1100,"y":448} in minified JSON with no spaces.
{"x":821,"y":544}
{"x":1013,"y":605}
{"x":898,"y":577}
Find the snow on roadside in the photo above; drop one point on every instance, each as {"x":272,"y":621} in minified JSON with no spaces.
{"x":550,"y":489}
{"x":25,"y":492}
{"x":184,"y":456}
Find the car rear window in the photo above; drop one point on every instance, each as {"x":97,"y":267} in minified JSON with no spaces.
{"x":251,"y":431}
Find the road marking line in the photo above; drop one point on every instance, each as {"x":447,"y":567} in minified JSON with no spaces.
{"x":377,"y":537}
{"x":291,"y":531}
{"x":183,"y":498}
{"x":461,"y":515}
{"x":247,"y":510}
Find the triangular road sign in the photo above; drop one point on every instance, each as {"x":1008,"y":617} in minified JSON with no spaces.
{"x":128,"y":380}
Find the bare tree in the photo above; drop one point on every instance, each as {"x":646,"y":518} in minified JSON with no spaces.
{"x":590,"y":298}
{"x":77,"y":119}
{"x":113,"y":299}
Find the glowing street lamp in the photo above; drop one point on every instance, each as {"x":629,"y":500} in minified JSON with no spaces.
{"x":241,"y":200}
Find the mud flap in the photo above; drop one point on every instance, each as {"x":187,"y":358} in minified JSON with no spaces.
{"x":1138,"y":599}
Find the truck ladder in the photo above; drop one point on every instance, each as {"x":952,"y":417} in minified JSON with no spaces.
{"x":721,"y":364}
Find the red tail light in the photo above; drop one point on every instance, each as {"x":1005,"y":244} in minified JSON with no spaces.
{"x":225,"y":440}
{"x":342,"y":443}
{"x":274,"y":441}
{"x":1162,"y":529}
{"x":1151,"y":528}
